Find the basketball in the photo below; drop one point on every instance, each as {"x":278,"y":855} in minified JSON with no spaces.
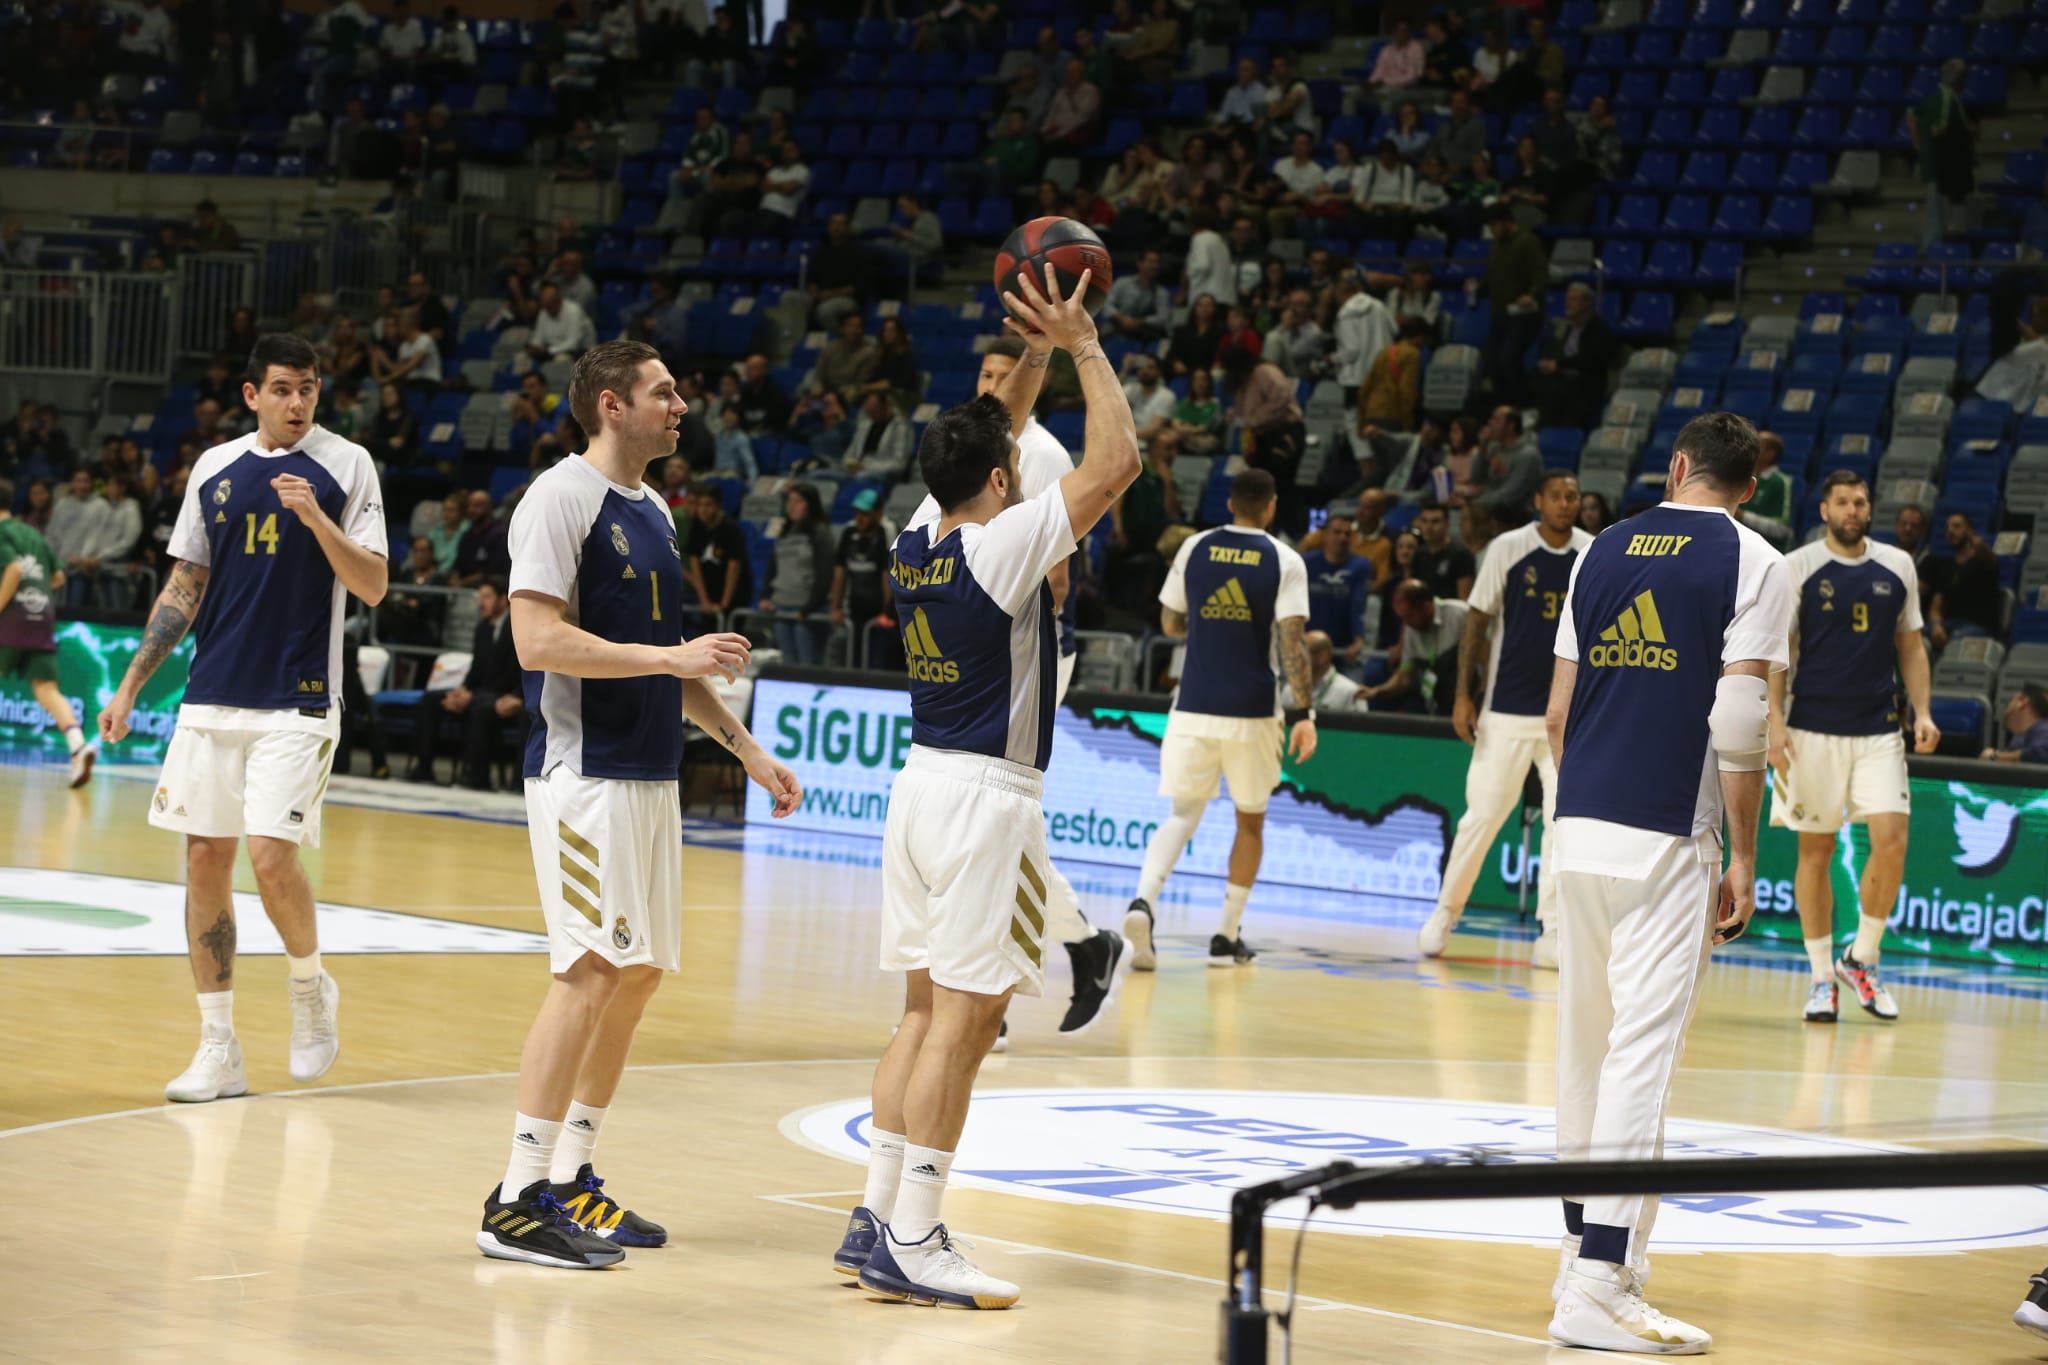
{"x":1069,"y":247}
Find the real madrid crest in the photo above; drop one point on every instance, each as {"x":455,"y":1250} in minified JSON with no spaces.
{"x":223,"y":490}
{"x":1827,"y":585}
{"x":619,"y":540}
{"x":622,"y":932}
{"x":674,"y":548}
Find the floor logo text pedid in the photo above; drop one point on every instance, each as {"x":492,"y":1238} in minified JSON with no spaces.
{"x":1185,"y":1151}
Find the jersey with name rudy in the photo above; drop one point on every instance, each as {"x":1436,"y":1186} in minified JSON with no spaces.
{"x":268,"y":634}
{"x":1850,"y":612}
{"x":609,"y":553}
{"x":1657,"y":607}
{"x":1233,"y":584}
{"x":979,"y":636}
{"x":1521,"y":584}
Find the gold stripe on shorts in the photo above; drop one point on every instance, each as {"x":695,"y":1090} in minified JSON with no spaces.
{"x":1030,"y":912}
{"x":582,"y":906}
{"x":578,"y":842}
{"x":1031,"y":875}
{"x":582,"y":874}
{"x":1025,"y":941}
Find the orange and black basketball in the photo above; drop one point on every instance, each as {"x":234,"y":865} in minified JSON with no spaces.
{"x":1069,"y":247}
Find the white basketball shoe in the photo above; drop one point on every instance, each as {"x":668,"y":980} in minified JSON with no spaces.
{"x":1436,"y":931}
{"x":315,"y":1044}
{"x":215,"y":1074}
{"x":932,"y":1273}
{"x":1602,"y":1308}
{"x":1568,"y":1251}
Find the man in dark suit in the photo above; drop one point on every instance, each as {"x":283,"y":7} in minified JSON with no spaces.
{"x":1572,"y":368}
{"x":488,"y":699}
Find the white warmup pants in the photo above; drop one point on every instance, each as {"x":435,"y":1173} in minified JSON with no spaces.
{"x":1064,"y":922}
{"x":1505,"y":747}
{"x":1631,"y":955}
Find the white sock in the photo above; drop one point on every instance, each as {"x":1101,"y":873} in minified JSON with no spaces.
{"x":217,"y":1014}
{"x":305,"y":968}
{"x":1869,"y":940}
{"x":577,"y":1144}
{"x":885,"y":1173}
{"x":918,"y":1198}
{"x":1168,"y":842}
{"x":1234,"y":897}
{"x":533,"y":1150}
{"x":74,"y":739}
{"x":1821,"y":953}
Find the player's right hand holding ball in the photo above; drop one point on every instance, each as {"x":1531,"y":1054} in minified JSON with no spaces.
{"x":1063,"y":321}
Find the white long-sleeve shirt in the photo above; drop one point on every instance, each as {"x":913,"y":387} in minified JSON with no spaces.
{"x":1364,"y":328}
{"x":1209,"y":269}
{"x":568,"y":332}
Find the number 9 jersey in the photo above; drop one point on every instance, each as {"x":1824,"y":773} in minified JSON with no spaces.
{"x":268,"y":634}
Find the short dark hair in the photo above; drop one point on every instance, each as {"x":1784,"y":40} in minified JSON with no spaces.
{"x":1514,"y":416}
{"x":2036,"y":696}
{"x":1430,"y":505}
{"x":282,"y":349}
{"x":1551,"y":476}
{"x":1915,"y":508}
{"x":609,"y":365}
{"x":1722,"y":447}
{"x":962,"y":445}
{"x":496,"y":583}
{"x":1252,"y":490}
{"x":1842,"y":478}
{"x":1009,"y":347}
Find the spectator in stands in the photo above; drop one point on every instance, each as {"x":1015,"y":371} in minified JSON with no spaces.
{"x":430,"y":310}
{"x":242,"y":332}
{"x":734,"y":188}
{"x":799,"y":583}
{"x":880,"y":447}
{"x":403,"y":39}
{"x":1530,"y":187}
{"x":1049,"y":57}
{"x":1014,"y":154}
{"x":484,"y":551}
{"x":764,"y":406}
{"x":1966,"y":594}
{"x":1431,"y":629}
{"x":860,"y":592}
{"x":896,"y":369}
{"x":1198,"y":416}
{"x":1196,"y":340}
{"x":1137,"y":520}
{"x":1363,"y":329}
{"x":2019,"y":375}
{"x":1910,"y":530}
{"x":395,"y":432}
{"x":1075,"y":109}
{"x":723,"y":45}
{"x":1247,"y":259}
{"x":451,"y":56}
{"x":1296,"y":344}
{"x":113,"y":555}
{"x":220,"y":86}
{"x":411,"y":618}
{"x":17,"y":251}
{"x":1769,"y":510}
{"x":38,"y":503}
{"x":1399,"y":64}
{"x":344,"y":360}
{"x":916,"y":241}
{"x":1269,"y":419}
{"x":161,"y":503}
{"x":1409,"y":136}
{"x":1329,"y":690}
{"x":782,"y":193}
{"x":1446,"y":566}
{"x":147,"y":37}
{"x":714,"y":553}
{"x":675,"y":483}
{"x":1556,"y":136}
{"x":78,"y":525}
{"x":1290,"y":108}
{"x":1139,"y":307}
{"x":562,"y":330}
{"x":1462,"y":136}
{"x":661,"y":321}
{"x":842,"y":275}
{"x":1392,"y":391}
{"x":709,"y":144}
{"x":1386,"y":194}
{"x":1302,"y":179}
{"x":1152,"y":403}
{"x":1339,"y":583}
{"x":1472,"y":194}
{"x":1517,"y":276}
{"x":1513,"y":465}
{"x":534,"y":413}
{"x":487,"y":699}
{"x":1944,"y":144}
{"x":1244,"y":104}
{"x":1595,"y":513}
{"x":417,"y":363}
{"x":29,"y":436}
{"x":1369,"y":539}
{"x":1027,"y":92}
{"x":576,"y":285}
{"x":733,"y":449}
{"x":1407,"y":548}
{"x":1238,"y":330}
{"x":1600,"y":140}
{"x":1579,"y":349}
{"x":1150,"y":56}
{"x":2026,"y":723}
{"x":794,"y":57}
{"x":344,"y":416}
{"x":1209,"y":271}
{"x":847,"y":362}
{"x":1418,"y":300}
{"x":824,"y":424}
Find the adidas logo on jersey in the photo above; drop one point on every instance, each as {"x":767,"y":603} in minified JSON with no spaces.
{"x":923,"y":659}
{"x":1227,"y":603}
{"x":1635,"y":640}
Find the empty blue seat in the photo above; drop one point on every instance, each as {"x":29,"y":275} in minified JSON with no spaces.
{"x":1881,"y":85}
{"x":1755,"y":172}
{"x":1732,"y":85}
{"x":1803,"y":170}
{"x":1844,"y":43}
{"x":1705,"y":171}
{"x":1796,"y":47}
{"x":1649,"y":316}
{"x":1941,"y":43}
{"x":1790,"y":218}
{"x":1636,"y":215}
{"x":1587,"y":85}
{"x":253,"y":163}
{"x":1686,"y":216}
{"x":1769,"y":127}
{"x":1670,"y":127}
{"x":1738,"y":215}
{"x":1669,"y":264}
{"x":166,"y":161}
{"x":1980,"y":419}
{"x":1696,"y":49}
{"x":1639,"y":87}
{"x":1720,"y":126}
{"x":1621,"y":261}
{"x":1819,"y":126}
{"x":1656,"y":170}
{"x":1719,"y":264}
{"x":1870,"y":125}
{"x":1607,"y":51}
{"x":1654,"y":47}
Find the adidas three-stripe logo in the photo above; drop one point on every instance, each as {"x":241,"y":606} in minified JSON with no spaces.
{"x":924,"y":660}
{"x":1635,"y":640}
{"x":1228,"y":603}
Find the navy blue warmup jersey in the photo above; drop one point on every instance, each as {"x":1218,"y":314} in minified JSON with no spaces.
{"x":1232,"y":584}
{"x":610,"y":554}
{"x":1336,"y":595}
{"x":1521,"y":584}
{"x":1850,"y":612}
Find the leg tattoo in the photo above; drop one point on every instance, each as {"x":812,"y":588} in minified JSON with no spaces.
{"x":220,"y":941}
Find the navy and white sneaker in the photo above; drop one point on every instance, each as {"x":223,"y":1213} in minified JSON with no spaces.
{"x":1229,"y":952}
{"x":933,"y":1274}
{"x":857,"y":1245}
{"x":2032,"y":1314}
{"x":603,"y":1216}
{"x":1138,"y":933}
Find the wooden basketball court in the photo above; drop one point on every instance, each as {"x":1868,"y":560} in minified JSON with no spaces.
{"x":334,"y":1223}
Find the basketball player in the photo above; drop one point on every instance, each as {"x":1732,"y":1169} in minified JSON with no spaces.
{"x":277,"y":527}
{"x":1252,"y":596}
{"x":1522,"y":580}
{"x":964,"y":859}
{"x":1839,"y":755}
{"x":28,"y":626}
{"x":1099,"y":957}
{"x":597,"y":597}
{"x":1670,"y":625}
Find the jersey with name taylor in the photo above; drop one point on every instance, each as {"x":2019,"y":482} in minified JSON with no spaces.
{"x":979,"y":637}
{"x":268,"y":633}
{"x":610,"y":554}
{"x":1233,"y":584}
{"x":1521,"y":584}
{"x":1657,"y":607}
{"x":1850,"y":613}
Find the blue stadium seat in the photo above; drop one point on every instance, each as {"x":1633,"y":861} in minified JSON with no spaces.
{"x":1649,"y":316}
{"x":254,"y":163}
{"x":1820,"y":126}
{"x":1586,"y":85}
{"x":1705,"y":172}
{"x":1656,"y":170}
{"x":1796,"y":47}
{"x":1639,"y":86}
{"x":1943,"y":42}
{"x":1637,"y":215}
{"x":1685,"y":216}
{"x":1790,"y":219}
{"x":1803,"y":170}
{"x":1669,"y":265}
{"x":1732,"y":85}
{"x":1607,"y":51}
{"x":1881,"y":85}
{"x":1560,"y":446}
{"x":1769,"y":128}
{"x":1810,"y":13}
{"x":1738,"y":215}
{"x":1981,"y":419}
{"x":1698,"y":48}
{"x":1719,"y":264}
{"x":166,"y":161}
{"x":920,"y":141}
{"x":1844,"y":43}
{"x":1754,"y":172}
{"x":1870,"y":125}
{"x":992,"y":219}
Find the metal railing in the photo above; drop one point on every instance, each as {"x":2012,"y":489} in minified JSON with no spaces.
{"x":99,"y":323}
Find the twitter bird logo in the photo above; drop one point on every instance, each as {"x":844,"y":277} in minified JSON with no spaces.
{"x":1986,"y":840}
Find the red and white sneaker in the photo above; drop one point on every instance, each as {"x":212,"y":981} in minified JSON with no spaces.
{"x":1870,"y":992}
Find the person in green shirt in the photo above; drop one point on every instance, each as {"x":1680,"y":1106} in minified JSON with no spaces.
{"x":1942,"y":143}
{"x":1013,"y":153}
{"x":29,"y":580}
{"x":1769,"y":510}
{"x":1198,"y":417}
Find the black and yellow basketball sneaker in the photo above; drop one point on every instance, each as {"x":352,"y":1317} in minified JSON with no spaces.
{"x":537,"y":1229}
{"x":603,"y":1217}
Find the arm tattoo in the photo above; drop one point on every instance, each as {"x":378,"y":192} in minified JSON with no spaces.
{"x":732,"y":741}
{"x":1294,"y":658}
{"x":175,"y":609}
{"x":1089,"y":352}
{"x":1472,"y":653}
{"x":1037,"y":360}
{"x":220,"y":941}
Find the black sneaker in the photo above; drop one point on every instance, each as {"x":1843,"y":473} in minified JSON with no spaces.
{"x":2032,"y":1313}
{"x":1138,"y":933}
{"x":598,"y":1215}
{"x":535,"y":1228}
{"x":1229,"y":952}
{"x":1099,"y":963}
{"x":1002,"y":1042}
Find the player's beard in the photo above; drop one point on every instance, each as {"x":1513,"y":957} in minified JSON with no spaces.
{"x":1849,"y":533}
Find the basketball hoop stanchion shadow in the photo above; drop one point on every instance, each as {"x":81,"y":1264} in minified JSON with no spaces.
{"x":1342,"y":1184}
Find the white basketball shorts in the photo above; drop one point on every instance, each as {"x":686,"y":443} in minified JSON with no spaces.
{"x":609,"y":859}
{"x":223,"y":784}
{"x":964,"y":873}
{"x":1201,"y":752}
{"x":1836,"y":777}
